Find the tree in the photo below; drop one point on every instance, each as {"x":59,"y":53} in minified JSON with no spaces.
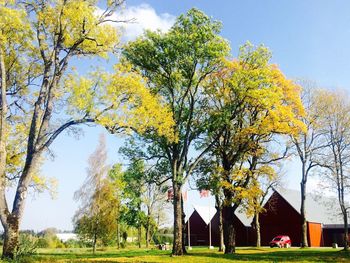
{"x":335,"y":123}
{"x":97,"y":216}
{"x":177,"y":64}
{"x":41,"y":96}
{"x":264,"y":179}
{"x":308,"y":144}
{"x":250,"y":100}
{"x":154,"y":201}
{"x":116,"y":175}
{"x":143,"y":194}
{"x":134,"y":178}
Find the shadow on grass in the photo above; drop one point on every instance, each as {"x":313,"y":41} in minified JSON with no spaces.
{"x":283,"y":255}
{"x":109,"y":254}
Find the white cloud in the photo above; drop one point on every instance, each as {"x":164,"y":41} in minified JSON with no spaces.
{"x":143,"y":17}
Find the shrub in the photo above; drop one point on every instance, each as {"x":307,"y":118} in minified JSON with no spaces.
{"x":28,"y":245}
{"x":162,"y":238}
{"x":71,"y":243}
{"x":123,"y":244}
{"x":43,"y":242}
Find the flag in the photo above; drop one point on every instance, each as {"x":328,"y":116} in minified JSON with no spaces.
{"x":184,"y":196}
{"x":170,"y":194}
{"x":204,"y":193}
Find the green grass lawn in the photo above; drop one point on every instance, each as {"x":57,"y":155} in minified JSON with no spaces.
{"x":197,"y":255}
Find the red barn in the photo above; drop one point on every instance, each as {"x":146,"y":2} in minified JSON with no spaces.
{"x":199,"y":227}
{"x":282,"y":217}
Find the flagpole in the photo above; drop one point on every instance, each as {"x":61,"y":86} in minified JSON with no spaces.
{"x":210,"y":246}
{"x":188,"y":227}
{"x":189,"y":234}
{"x":184,"y":198}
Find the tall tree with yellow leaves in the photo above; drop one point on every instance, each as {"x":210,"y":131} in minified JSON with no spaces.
{"x":41,"y":96}
{"x":250,"y":100}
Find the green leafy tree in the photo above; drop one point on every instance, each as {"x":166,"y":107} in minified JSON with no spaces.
{"x":142,"y":195}
{"x":134,"y":178}
{"x":116,"y":175}
{"x":177,"y":64}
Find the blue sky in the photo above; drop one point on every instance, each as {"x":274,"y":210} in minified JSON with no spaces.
{"x":309,"y":39}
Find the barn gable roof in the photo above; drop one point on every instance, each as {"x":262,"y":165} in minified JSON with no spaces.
{"x":205,"y":212}
{"x":319,"y":209}
{"x":208,"y":212}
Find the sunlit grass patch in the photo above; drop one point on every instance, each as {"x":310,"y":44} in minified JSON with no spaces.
{"x":197,"y":255}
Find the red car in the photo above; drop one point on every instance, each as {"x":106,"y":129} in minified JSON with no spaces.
{"x":281,"y":241}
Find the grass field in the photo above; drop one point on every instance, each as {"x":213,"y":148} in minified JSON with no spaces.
{"x":197,"y":255}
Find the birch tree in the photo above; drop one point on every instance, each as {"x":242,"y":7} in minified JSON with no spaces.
{"x":96,"y":217}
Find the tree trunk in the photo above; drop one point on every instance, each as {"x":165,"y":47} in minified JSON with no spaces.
{"x":11,"y":221}
{"x":177,"y":243}
{"x":221,"y":230}
{"x":346,"y":230}
{"x":11,"y":236}
{"x":183,"y":226}
{"x":148,"y":233}
{"x":139,"y":234}
{"x":94,"y":243}
{"x":118,"y":235}
{"x":10,"y":233}
{"x":3,"y":113}
{"x":229,"y":230}
{"x":257,"y":229}
{"x":304,"y":242}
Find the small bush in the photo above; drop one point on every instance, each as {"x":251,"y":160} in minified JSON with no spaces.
{"x":123,"y":244}
{"x":43,"y":242}
{"x":50,"y":241}
{"x":71,"y":243}
{"x":163,"y":238}
{"x":28,"y":245}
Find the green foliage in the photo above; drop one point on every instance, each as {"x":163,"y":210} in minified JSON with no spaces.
{"x":49,"y":242}
{"x":96,"y":220}
{"x":28,"y":245}
{"x":177,"y":63}
{"x":163,"y":238}
{"x":71,"y":243}
{"x":102,"y":222}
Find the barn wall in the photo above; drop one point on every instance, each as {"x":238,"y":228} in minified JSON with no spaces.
{"x":333,"y":235}
{"x":200,"y":232}
{"x":280,"y":218}
{"x":315,"y":234}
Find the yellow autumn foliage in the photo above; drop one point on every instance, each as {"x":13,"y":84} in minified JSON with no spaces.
{"x":120,"y":101}
{"x":251,"y":101}
{"x":79,"y":24}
